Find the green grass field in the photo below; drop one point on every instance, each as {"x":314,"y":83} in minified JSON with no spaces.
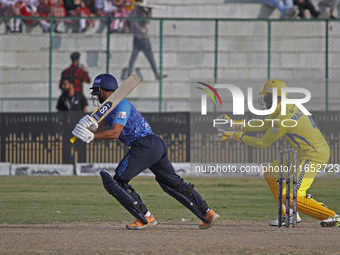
{"x":40,"y":199}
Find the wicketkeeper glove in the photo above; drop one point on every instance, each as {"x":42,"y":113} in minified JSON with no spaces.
{"x":83,"y":133}
{"x":229,"y":135}
{"x":88,"y":122}
{"x":229,"y":125}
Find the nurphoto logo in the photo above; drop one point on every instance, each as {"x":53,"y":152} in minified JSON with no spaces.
{"x":239,"y":102}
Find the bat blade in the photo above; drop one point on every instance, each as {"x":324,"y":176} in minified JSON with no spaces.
{"x":112,"y":101}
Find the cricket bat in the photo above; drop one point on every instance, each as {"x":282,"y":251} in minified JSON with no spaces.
{"x":112,"y":101}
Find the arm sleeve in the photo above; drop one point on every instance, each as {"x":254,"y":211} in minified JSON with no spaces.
{"x":60,"y":105}
{"x":122,"y":113}
{"x":86,"y":77}
{"x":82,"y":75}
{"x":267,"y":139}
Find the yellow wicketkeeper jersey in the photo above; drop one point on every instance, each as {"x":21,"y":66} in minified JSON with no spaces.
{"x":305,"y":137}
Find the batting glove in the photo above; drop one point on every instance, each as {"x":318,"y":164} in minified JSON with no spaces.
{"x":88,"y":122}
{"x":230,"y":135}
{"x":83,"y":133}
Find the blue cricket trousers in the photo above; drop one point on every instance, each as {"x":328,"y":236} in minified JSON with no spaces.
{"x":149,"y":152}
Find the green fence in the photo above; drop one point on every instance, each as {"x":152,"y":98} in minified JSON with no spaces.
{"x":303,"y":52}
{"x":45,"y":140}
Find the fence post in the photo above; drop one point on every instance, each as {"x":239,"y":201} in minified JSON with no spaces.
{"x":160,"y":62}
{"x":50,"y":67}
{"x":108,"y":45}
{"x":216,"y":56}
{"x":216,"y":51}
{"x":268,"y":49}
{"x":326,"y":66}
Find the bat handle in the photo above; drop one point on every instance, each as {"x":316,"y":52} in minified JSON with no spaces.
{"x":73,"y":139}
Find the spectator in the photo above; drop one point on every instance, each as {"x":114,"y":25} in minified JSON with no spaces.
{"x":10,"y":8}
{"x":90,"y":4}
{"x":58,"y":10}
{"x":78,"y":8}
{"x":119,"y":25}
{"x":85,"y":12}
{"x":141,"y":40}
{"x":105,"y":8}
{"x":36,"y":8}
{"x":306,"y":5}
{"x":76,"y":71}
{"x":333,"y":4}
{"x":71,"y":100}
{"x":286,"y":7}
{"x":124,"y":8}
{"x":44,"y":10}
{"x":28,"y":8}
{"x":129,"y":5}
{"x":111,"y":8}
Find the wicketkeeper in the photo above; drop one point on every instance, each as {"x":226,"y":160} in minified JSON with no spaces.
{"x":146,"y":151}
{"x":312,"y":149}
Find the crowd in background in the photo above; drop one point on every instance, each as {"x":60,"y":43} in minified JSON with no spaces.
{"x":123,"y":8}
{"x":298,"y":8}
{"x":65,"y":8}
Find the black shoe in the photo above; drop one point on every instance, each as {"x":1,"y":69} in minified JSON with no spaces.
{"x":163,"y":76}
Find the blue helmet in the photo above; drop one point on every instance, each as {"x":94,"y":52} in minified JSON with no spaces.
{"x":105,"y":81}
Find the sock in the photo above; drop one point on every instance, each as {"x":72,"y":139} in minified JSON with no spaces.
{"x":45,"y":25}
{"x":148,"y":214}
{"x":82,"y":24}
{"x":17,"y":25}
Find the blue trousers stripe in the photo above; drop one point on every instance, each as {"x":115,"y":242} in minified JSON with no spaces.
{"x":123,"y":165}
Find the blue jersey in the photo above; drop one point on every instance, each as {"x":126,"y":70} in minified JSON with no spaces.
{"x":135,"y":126}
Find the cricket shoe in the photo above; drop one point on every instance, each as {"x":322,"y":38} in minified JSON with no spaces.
{"x":331,"y":221}
{"x":211,"y":216}
{"x":139,"y":225}
{"x":275,"y":223}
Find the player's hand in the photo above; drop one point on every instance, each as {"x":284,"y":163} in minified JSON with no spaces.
{"x":83,"y":133}
{"x":88,"y":122}
{"x":229,"y":125}
{"x":229,"y":135}
{"x":219,"y":137}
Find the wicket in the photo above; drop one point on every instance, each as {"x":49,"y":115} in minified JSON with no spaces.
{"x":282,"y":169}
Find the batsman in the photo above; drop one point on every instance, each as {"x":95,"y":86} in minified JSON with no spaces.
{"x":146,"y":150}
{"x":305,"y":137}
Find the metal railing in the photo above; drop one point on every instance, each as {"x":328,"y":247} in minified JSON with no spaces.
{"x":185,"y":48}
{"x":45,"y":140}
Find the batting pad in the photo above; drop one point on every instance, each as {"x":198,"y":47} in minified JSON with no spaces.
{"x":274,"y":188}
{"x":311,"y":207}
{"x":113,"y":188}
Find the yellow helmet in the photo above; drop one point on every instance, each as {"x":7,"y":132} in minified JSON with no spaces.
{"x":274,"y":83}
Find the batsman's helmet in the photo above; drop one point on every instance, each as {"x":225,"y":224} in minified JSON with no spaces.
{"x":268,"y":87}
{"x":104,"y":81}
